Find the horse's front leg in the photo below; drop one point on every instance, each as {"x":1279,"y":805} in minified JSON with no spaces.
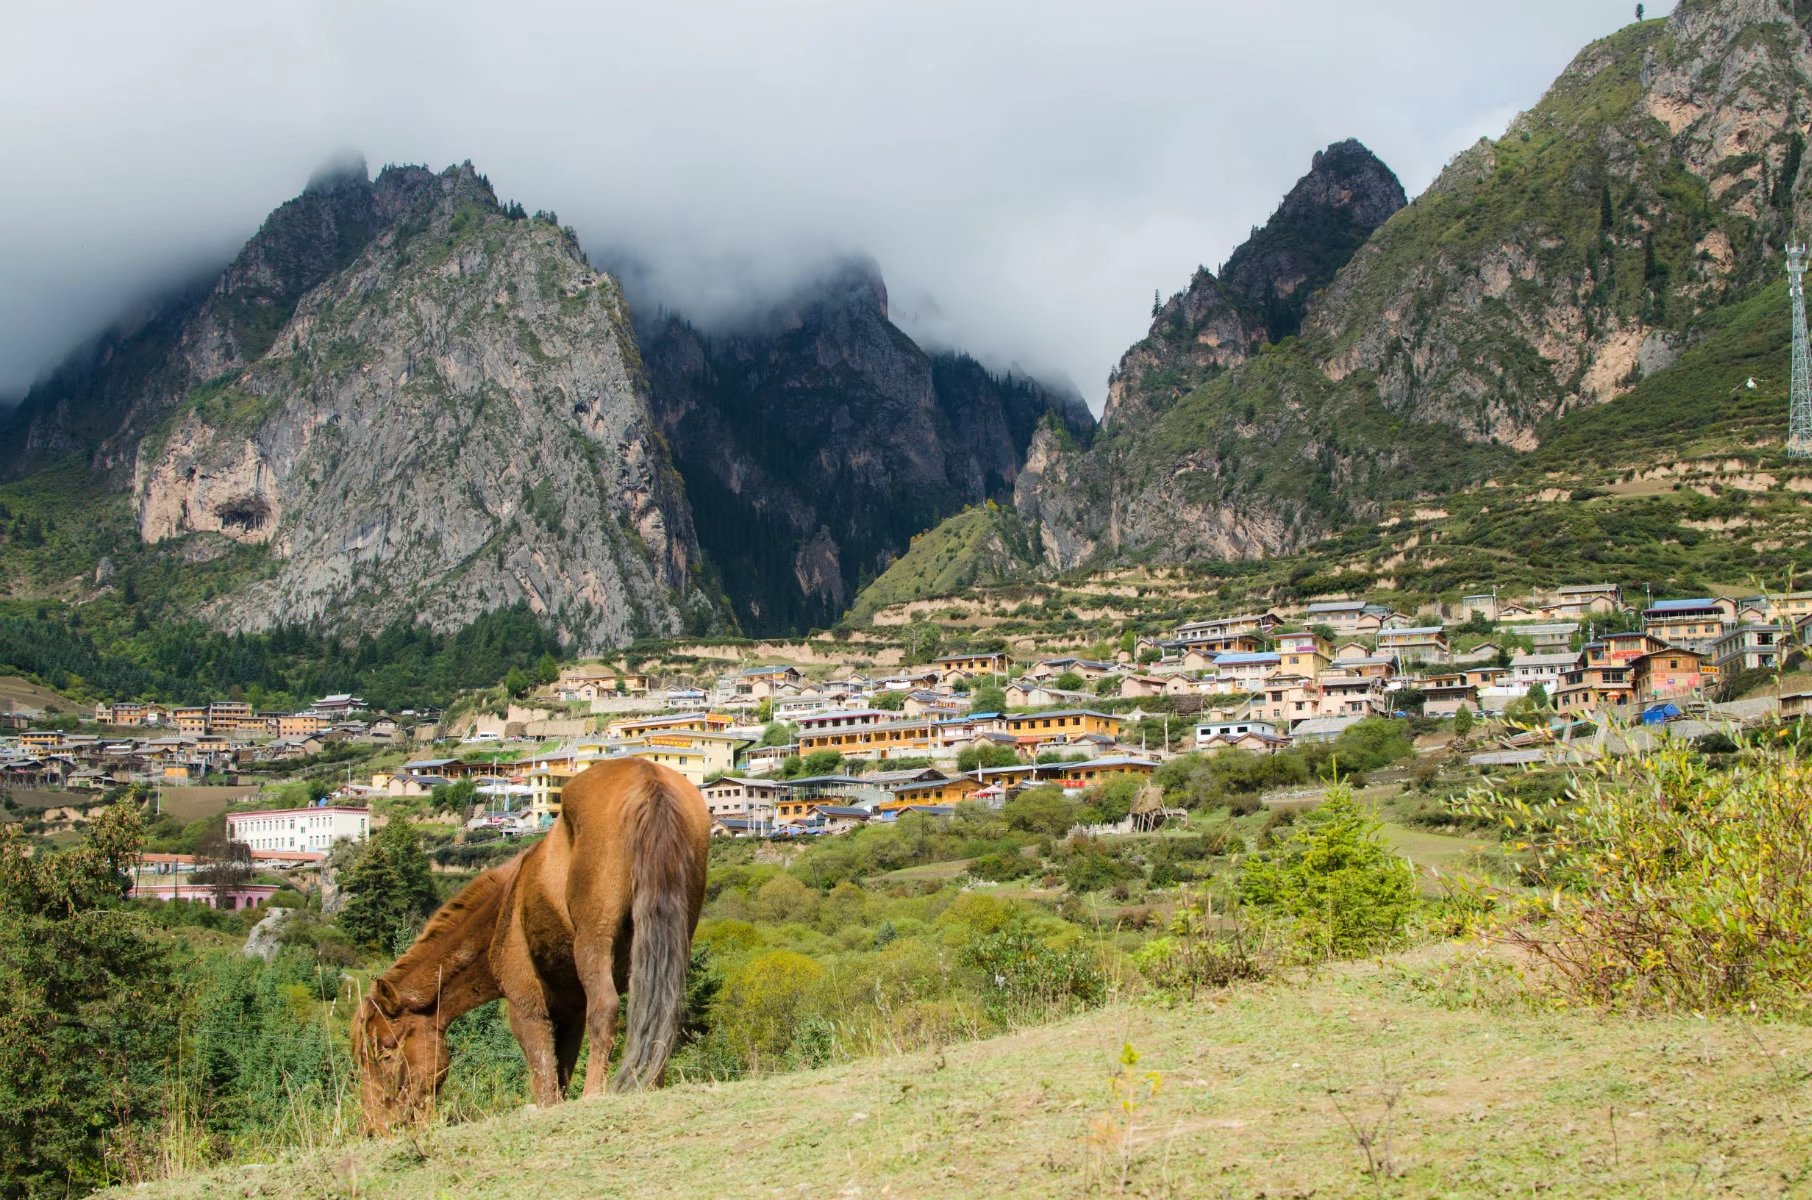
{"x":569,"y":1035}
{"x":534,"y":1030}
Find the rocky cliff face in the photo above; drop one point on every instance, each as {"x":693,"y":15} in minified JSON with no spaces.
{"x":1543,"y":272}
{"x":1260,"y":296}
{"x":422,"y":408}
{"x":110,"y":393}
{"x":816,"y":439}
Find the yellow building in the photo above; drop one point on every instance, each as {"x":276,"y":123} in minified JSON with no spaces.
{"x":916,"y":737}
{"x":546,"y":778}
{"x":975,"y":664}
{"x":687,"y":761}
{"x":1302,"y":654}
{"x":1071,"y":721}
{"x":1069,"y":775}
{"x":300,"y":724}
{"x":931,"y":791}
{"x":717,"y":750}
{"x":631,"y":728}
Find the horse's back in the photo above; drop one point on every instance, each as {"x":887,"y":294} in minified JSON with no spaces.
{"x":600,"y":803}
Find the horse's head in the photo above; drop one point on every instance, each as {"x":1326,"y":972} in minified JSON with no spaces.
{"x":402,"y":1059}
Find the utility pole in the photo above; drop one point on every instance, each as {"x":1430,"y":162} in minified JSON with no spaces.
{"x":1799,"y":417}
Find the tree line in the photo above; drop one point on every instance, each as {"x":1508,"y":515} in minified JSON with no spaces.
{"x":403,"y":665}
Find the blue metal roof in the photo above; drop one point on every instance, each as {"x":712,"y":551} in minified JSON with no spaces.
{"x":1681,"y":605}
{"x":1223,"y":660}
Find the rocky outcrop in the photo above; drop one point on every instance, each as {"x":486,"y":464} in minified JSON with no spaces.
{"x":1539,"y":274}
{"x":455,"y":421}
{"x":816,"y":439}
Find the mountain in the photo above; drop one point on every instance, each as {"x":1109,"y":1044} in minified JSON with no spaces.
{"x":816,"y":439}
{"x":1540,"y":275}
{"x":1261,"y":295}
{"x":404,"y":401}
{"x":146,"y":363}
{"x":400,"y":401}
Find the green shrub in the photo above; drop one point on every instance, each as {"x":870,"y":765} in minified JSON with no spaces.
{"x":1669,"y":882}
{"x":1043,"y":810}
{"x":1000,"y":867}
{"x":1089,"y":868}
{"x":1025,"y":972}
{"x":763,"y":1003}
{"x":1346,"y":890}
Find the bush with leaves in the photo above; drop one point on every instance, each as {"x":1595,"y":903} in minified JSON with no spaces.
{"x":1670,"y":882}
{"x":1002,"y":866}
{"x":1090,"y":866}
{"x":88,"y":1019}
{"x":1044,"y":811}
{"x":972,"y":758}
{"x":763,"y":1003}
{"x":1028,"y":973}
{"x":1347,"y":891}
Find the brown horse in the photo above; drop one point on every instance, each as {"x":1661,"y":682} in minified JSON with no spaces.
{"x":608,"y":899}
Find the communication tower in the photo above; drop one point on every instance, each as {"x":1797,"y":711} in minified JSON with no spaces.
{"x":1799,"y":416}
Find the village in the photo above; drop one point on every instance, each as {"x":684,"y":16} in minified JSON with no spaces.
{"x":785,"y":750}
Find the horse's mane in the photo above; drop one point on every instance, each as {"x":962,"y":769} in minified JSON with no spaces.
{"x":458,"y":934}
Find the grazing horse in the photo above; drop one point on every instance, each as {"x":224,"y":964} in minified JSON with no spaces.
{"x":607,"y":902}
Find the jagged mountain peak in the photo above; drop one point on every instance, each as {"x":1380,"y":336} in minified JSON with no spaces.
{"x":816,"y":438}
{"x":1263,"y":292}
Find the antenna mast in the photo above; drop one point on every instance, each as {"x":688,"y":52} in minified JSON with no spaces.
{"x":1799,"y":424}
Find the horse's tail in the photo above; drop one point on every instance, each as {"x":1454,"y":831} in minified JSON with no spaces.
{"x":664,"y":872}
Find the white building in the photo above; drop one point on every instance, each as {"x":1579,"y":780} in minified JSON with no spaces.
{"x":1527,"y":670}
{"x":298,"y":830}
{"x":1232,"y":729}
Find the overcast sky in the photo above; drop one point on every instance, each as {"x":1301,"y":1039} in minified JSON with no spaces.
{"x":1025,"y":171}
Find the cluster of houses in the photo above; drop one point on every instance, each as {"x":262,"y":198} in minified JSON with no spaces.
{"x":1263,"y":681}
{"x":741,"y":778}
{"x":181,"y":745}
{"x":1355,"y":659}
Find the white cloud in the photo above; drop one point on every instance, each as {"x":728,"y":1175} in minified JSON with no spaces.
{"x":1025,"y":172}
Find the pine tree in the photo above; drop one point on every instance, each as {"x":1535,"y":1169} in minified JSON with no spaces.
{"x":389,"y":889}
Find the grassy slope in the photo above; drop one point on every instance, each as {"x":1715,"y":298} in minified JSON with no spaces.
{"x":1491,"y":1101}
{"x":981,"y":545}
{"x":25,"y":692}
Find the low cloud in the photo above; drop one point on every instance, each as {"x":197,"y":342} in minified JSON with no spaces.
{"x":1026,"y":174}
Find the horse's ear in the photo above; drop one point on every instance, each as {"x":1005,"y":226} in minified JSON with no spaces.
{"x":384,"y":996}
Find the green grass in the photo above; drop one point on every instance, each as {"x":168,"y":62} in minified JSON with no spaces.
{"x":978,"y":546}
{"x":1258,"y":1093}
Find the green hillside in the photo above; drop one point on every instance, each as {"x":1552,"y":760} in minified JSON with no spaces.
{"x":979,"y":546}
{"x":1409,"y":1078}
{"x":1682,"y":482}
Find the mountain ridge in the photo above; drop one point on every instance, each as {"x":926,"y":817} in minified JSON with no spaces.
{"x":1542,"y":274}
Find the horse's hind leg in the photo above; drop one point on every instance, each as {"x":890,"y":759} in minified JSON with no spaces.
{"x":595,"y":956}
